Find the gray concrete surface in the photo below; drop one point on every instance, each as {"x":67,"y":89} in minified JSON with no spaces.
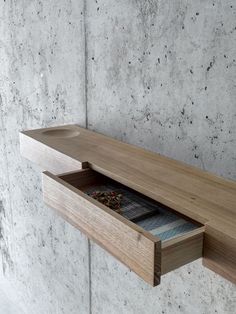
{"x":159,"y":74}
{"x":162,"y":75}
{"x":41,"y":83}
{"x":9,"y":302}
{"x":7,"y":306}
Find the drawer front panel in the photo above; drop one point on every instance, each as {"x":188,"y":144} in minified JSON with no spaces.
{"x":137,"y":249}
{"x":182,"y":250}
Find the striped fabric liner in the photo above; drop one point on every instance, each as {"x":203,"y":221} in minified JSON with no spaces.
{"x":132,"y":204}
{"x":178,"y":231}
{"x":164,"y":224}
{"x":168,"y":227}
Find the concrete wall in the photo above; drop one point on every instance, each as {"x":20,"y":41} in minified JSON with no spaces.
{"x":41,"y":83}
{"x":159,"y":74}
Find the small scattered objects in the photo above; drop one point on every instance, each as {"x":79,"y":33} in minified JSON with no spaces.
{"x":111,"y":199}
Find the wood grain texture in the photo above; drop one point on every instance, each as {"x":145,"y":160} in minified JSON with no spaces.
{"x":181,"y":250}
{"x":82,"y":178}
{"x":46,"y":157}
{"x":220,"y":250}
{"x":199,"y":195}
{"x":133,"y":246}
{"x":174,"y":253}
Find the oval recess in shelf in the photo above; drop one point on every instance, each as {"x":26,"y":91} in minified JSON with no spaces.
{"x":61,"y":133}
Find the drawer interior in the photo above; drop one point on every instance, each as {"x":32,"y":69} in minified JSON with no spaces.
{"x":147,"y":236}
{"x":154,"y":217}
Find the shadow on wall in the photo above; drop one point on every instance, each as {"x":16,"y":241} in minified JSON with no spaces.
{"x":6,"y":258}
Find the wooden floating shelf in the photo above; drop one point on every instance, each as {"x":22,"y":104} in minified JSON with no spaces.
{"x":172,"y":213}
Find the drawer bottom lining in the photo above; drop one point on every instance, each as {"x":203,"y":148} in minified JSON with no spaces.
{"x":160,"y":221}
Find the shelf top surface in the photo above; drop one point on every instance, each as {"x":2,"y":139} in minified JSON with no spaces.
{"x":202,"y":196}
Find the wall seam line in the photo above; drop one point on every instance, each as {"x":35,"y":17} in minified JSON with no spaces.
{"x":90,"y":278}
{"x":85,"y":65}
{"x":86,"y":126}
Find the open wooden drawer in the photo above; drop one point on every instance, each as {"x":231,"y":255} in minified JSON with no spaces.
{"x":148,"y":237}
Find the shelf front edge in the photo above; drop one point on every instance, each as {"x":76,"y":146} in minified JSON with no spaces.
{"x":46,"y":157}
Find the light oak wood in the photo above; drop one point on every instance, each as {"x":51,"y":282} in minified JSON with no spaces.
{"x":220,"y":250}
{"x":132,"y":245}
{"x":182,"y":250}
{"x":82,"y":178}
{"x":202,"y":196}
{"x":46,"y":157}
